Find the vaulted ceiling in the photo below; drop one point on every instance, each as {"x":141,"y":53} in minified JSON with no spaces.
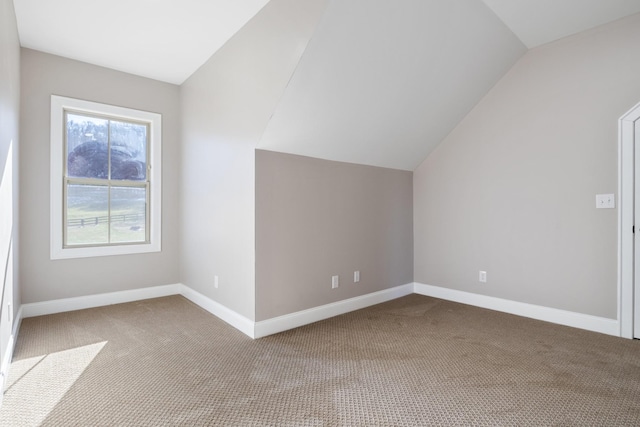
{"x":537,"y":22}
{"x":384,"y":87}
{"x":161,"y":39}
{"x":381,"y":82}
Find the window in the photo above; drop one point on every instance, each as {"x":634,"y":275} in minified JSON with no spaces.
{"x":105,"y":179}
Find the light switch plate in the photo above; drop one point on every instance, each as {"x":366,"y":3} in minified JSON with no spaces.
{"x":605,"y":201}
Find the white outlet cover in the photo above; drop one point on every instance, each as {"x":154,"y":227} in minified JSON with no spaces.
{"x":335,"y":281}
{"x":482,"y":276}
{"x":605,"y":201}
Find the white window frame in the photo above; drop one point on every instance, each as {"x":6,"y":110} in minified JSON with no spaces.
{"x":59,"y":105}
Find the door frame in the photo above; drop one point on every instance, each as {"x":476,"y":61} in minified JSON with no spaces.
{"x":626,"y":200}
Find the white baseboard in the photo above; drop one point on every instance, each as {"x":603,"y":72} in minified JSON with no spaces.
{"x":553,"y":315}
{"x":99,"y":300}
{"x":305,"y":317}
{"x":233,"y":318}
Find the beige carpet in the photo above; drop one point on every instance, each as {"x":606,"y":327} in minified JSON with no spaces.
{"x":415,"y":361}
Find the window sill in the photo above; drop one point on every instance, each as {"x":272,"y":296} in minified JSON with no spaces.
{"x":70,"y":253}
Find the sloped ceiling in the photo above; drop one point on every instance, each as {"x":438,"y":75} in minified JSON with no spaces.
{"x":538,"y":22}
{"x":161,"y":39}
{"x":382,"y":83}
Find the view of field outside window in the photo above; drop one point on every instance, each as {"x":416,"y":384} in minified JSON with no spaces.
{"x":106,"y":181}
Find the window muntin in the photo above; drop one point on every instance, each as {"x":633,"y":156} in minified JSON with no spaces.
{"x":105,"y":179}
{"x":106,"y":182}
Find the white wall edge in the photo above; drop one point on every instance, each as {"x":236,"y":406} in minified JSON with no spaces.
{"x":538,"y":312}
{"x":234,"y":319}
{"x":99,"y":300}
{"x":305,"y":317}
{"x":8,"y":354}
{"x":626,"y":201}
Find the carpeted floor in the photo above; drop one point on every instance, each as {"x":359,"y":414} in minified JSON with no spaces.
{"x":415,"y":361}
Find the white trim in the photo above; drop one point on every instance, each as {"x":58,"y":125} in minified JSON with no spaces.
{"x":293,"y":320}
{"x":548,"y":314}
{"x":626,"y":136}
{"x":8,"y":354}
{"x":6,"y":360}
{"x":58,"y":105}
{"x":233,"y":318}
{"x":305,"y":317}
{"x":99,"y":300}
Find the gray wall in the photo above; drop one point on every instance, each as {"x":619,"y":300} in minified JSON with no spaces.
{"x":9,"y":143}
{"x":226,"y":105}
{"x":318,"y":218}
{"x":41,"y":278}
{"x":512,"y":189}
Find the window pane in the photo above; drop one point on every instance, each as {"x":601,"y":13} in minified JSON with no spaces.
{"x":128,"y":151}
{"x":128,"y":213}
{"x":87,"y":215}
{"x":87,"y":146}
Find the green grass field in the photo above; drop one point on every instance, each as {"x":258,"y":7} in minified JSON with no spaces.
{"x":89,"y":203}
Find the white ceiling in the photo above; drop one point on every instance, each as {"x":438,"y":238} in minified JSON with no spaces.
{"x":385,"y":87}
{"x":161,"y":39}
{"x":169,"y":39}
{"x":538,"y":22}
{"x":381,"y":82}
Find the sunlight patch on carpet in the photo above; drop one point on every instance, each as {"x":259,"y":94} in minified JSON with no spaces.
{"x":36,"y":385}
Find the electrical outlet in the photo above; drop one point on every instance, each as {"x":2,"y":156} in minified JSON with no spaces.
{"x":356,"y":276}
{"x":215,"y":282}
{"x":605,"y":201}
{"x":335,"y":282}
{"x":482,"y":276}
